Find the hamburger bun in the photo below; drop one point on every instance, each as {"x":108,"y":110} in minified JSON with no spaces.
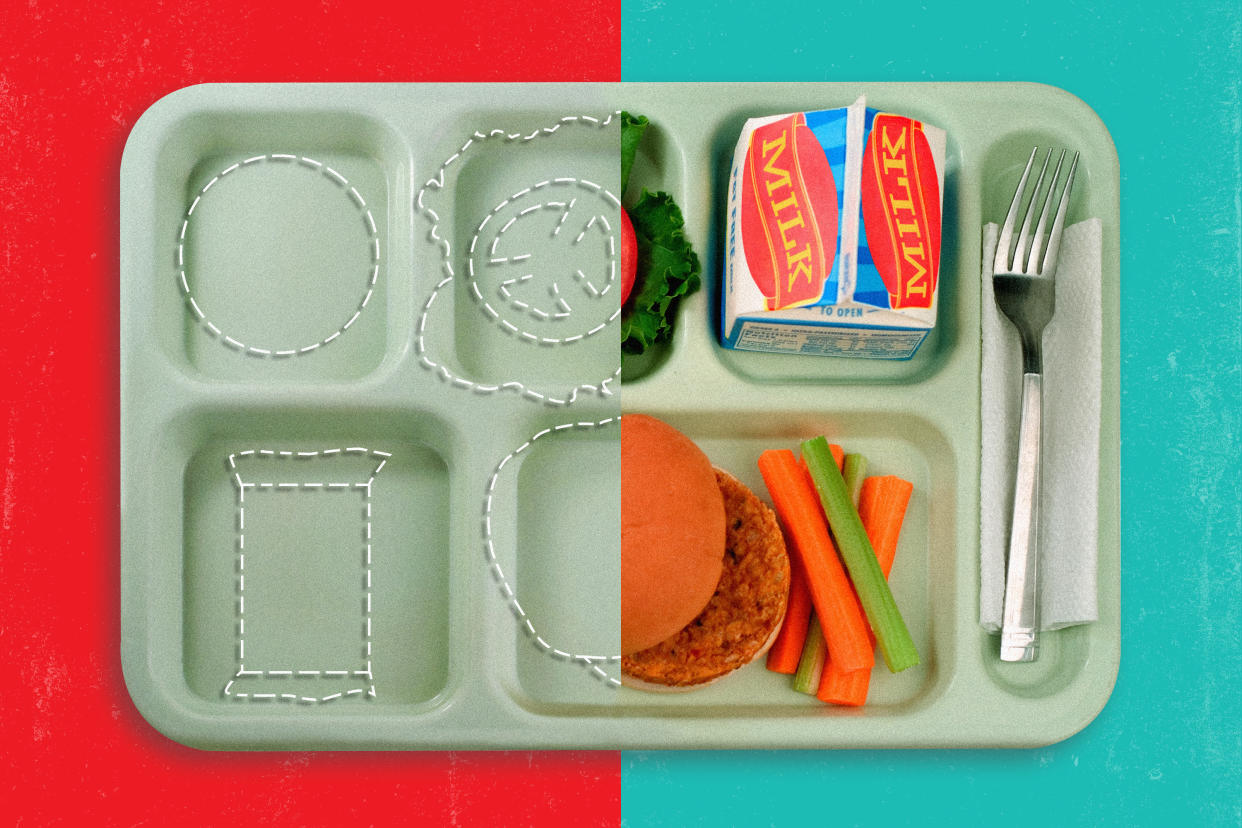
{"x":672,"y":531}
{"x":740,"y":617}
{"x":744,"y":614}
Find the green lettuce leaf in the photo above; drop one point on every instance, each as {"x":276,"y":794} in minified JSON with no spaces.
{"x":632,"y":128}
{"x":668,"y":269}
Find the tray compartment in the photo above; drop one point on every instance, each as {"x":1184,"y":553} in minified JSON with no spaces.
{"x":554,"y":528}
{"x":924,"y":579}
{"x":659,"y":166}
{"x":333,"y":558}
{"x":277,"y":229}
{"x":952,"y":315}
{"x":1064,"y":655}
{"x":524,"y":213}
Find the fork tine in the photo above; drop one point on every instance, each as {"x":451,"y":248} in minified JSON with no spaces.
{"x":1024,"y":237}
{"x":1032,"y":262}
{"x":1002,"y":244}
{"x":1058,"y":225}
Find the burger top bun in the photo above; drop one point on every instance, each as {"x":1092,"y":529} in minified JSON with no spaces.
{"x":672,"y":531}
{"x":741,"y":618}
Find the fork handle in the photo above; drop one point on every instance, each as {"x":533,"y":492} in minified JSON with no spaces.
{"x":1020,"y":620}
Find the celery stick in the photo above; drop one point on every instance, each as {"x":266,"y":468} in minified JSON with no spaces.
{"x":814,"y":651}
{"x":811,"y":664}
{"x":869,"y":582}
{"x":855,"y":472}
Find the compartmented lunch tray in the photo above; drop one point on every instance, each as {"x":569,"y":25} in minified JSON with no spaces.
{"x":370,"y":386}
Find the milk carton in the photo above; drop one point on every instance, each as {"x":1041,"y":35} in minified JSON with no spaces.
{"x":833,"y":240}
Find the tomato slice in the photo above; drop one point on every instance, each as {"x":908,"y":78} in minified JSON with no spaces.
{"x":629,"y":256}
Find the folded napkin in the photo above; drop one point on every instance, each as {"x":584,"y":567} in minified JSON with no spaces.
{"x":1069,"y":497}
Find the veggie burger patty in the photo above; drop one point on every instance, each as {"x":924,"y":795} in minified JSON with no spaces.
{"x":744,"y":613}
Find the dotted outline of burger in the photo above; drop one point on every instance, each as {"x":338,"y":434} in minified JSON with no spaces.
{"x":590,"y":662}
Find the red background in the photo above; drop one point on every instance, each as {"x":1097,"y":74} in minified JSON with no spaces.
{"x":72,"y":84}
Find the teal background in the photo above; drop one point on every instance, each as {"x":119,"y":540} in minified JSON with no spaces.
{"x":1167,"y":749}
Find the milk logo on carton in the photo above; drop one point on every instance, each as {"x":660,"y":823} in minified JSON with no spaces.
{"x":789,"y":213}
{"x":834,"y":234}
{"x":900,"y":241}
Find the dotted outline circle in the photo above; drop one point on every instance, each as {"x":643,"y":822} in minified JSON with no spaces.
{"x":373,"y":241}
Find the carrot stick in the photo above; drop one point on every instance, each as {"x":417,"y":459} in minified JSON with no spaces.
{"x":783,"y":656}
{"x":786,"y":650}
{"x":815,"y":651}
{"x":797,"y":504}
{"x":882,"y":507}
{"x":846,"y":688}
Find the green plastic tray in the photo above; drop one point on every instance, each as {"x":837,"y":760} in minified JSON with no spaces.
{"x":370,"y":384}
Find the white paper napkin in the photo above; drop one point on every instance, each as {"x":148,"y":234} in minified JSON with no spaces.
{"x":1069,"y":501}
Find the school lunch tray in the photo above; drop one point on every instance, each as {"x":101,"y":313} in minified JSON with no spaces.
{"x":370,"y":385}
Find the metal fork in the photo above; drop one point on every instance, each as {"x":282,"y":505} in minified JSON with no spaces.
{"x":1022,"y":282}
